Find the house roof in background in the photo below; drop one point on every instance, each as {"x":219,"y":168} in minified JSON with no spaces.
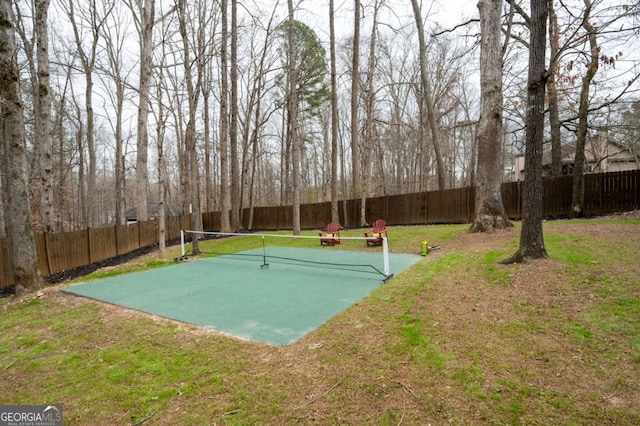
{"x":153,"y":209}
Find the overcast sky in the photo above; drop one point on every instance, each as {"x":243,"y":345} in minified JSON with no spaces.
{"x":397,"y":13}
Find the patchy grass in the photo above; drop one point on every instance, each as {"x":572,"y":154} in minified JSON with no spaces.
{"x":457,"y":339}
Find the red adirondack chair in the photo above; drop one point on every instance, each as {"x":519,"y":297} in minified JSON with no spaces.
{"x":333,"y":235}
{"x":379,"y":231}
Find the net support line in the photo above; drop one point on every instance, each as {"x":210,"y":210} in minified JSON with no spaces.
{"x":386,"y":272}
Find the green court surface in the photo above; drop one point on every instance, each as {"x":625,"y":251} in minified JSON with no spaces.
{"x":277,"y":305}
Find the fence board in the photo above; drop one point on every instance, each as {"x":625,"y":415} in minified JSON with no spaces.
{"x":67,"y":250}
{"x":315,"y":216}
{"x":556,"y":198}
{"x":43,"y":254}
{"x":102,"y":244}
{"x":6,"y":264}
{"x":611,"y":192}
{"x":404,"y":209}
{"x":127,"y":238}
{"x":172,"y":228}
{"x":450,"y":206}
{"x":377,"y":208}
{"x":512,"y":199}
{"x":148,"y":232}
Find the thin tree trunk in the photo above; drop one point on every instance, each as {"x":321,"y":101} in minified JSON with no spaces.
{"x":355,"y":81}
{"x":293,"y":121}
{"x":193,"y":95}
{"x":370,"y":118}
{"x":554,"y":114}
{"x":208,"y":179}
{"x":236,"y":202}
{"x":43,"y":119}
{"x":335,"y":214}
{"x":81,"y":218}
{"x":426,"y":90}
{"x":577,"y":199}
{"x":160,"y":129}
{"x":88,"y":66}
{"x":225,"y":225}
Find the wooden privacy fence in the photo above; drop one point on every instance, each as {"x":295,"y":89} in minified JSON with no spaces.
{"x":62,"y":251}
{"x":604,"y":193}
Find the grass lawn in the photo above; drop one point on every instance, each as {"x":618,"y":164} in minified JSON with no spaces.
{"x":456,"y":339}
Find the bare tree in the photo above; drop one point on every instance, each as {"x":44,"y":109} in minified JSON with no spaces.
{"x":369,"y":126}
{"x":44,"y":138}
{"x":355,"y":127}
{"x":531,"y":236}
{"x":335,"y":214}
{"x":143,"y":12}
{"x":225,"y":226}
{"x":427,"y":98}
{"x":577,"y":199}
{"x":160,"y":131}
{"x":490,"y":213}
{"x":37,"y":40}
{"x":256,"y":114}
{"x":114,"y":33}
{"x":292,"y":118}
{"x":193,"y":95}
{"x":236,"y":203}
{"x":552,"y":89}
{"x":88,"y":59}
{"x":23,"y":247}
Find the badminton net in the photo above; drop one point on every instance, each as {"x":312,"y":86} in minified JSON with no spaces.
{"x":351,"y":254}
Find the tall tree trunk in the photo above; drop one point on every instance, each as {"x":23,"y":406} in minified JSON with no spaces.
{"x":293,"y":121}
{"x":428,"y":100}
{"x":577,"y":198}
{"x":43,"y":119}
{"x":225,"y":225}
{"x":120,"y":203}
{"x":147,"y":17}
{"x":370,"y":118}
{"x":88,"y":60}
{"x":531,"y":236}
{"x":236,"y":202}
{"x":335,"y":214}
{"x":81,"y":220}
{"x":25,"y":258}
{"x":490,"y":213}
{"x":193,"y":95}
{"x":355,"y":81}
{"x":552,"y":88}
{"x":114,"y":46}
{"x":208,"y":178}
{"x":160,"y":129}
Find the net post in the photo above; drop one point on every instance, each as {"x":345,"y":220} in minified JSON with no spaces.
{"x":264,"y":254}
{"x":385,"y":257}
{"x":182,"y":242}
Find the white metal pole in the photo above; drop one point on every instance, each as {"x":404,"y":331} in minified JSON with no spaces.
{"x":385,"y":256}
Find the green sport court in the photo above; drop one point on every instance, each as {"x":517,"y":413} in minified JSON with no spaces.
{"x":239,"y":296}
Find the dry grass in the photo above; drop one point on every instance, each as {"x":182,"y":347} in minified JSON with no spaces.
{"x":458,"y":339}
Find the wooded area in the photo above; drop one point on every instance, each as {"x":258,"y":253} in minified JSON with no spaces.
{"x":605,"y":193}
